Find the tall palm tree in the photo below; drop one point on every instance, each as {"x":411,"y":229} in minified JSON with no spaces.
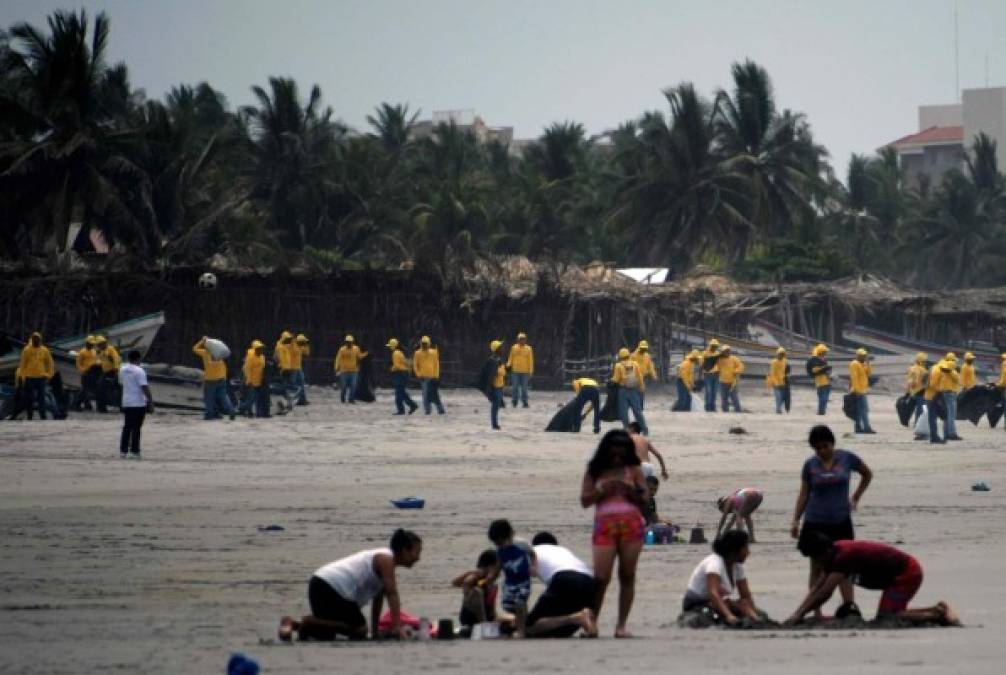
{"x":76,"y":161}
{"x":392,"y":126}
{"x":855,"y":228}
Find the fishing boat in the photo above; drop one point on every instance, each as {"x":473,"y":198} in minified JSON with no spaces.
{"x":136,"y":333}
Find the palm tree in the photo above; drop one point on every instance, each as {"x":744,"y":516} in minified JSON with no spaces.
{"x":854,"y":227}
{"x":294,"y":145}
{"x":70,"y":157}
{"x":392,"y":126}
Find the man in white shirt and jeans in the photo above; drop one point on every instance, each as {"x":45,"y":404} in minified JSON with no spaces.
{"x":566,"y":605}
{"x":136,"y":403}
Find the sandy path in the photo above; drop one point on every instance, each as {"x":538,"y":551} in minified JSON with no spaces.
{"x":158,"y":566}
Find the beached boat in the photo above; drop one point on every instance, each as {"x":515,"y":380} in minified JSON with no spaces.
{"x":136,"y":333}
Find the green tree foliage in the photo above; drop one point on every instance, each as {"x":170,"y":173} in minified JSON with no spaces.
{"x":734,"y":180}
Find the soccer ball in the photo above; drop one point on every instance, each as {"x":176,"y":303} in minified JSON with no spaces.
{"x":208,"y":281}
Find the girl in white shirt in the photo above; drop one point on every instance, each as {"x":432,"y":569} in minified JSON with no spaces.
{"x":717,"y":577}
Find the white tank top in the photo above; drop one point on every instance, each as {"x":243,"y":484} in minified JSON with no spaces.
{"x":353,"y":577}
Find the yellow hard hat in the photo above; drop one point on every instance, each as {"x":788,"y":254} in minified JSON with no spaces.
{"x":951,"y":357}
{"x":349,"y":338}
{"x":256,"y":344}
{"x":495,"y":344}
{"x":695,"y":355}
{"x":861,"y":352}
{"x":521,"y":336}
{"x":393,"y":343}
{"x":968,"y":356}
{"x":37,"y":334}
{"x":821,"y":348}
{"x":1003,"y":356}
{"x":302,"y":338}
{"x":100,"y":339}
{"x":643,"y":344}
{"x":714,"y":343}
{"x":285,"y":335}
{"x":425,"y":340}
{"x":725,"y":348}
{"x":623,"y":353}
{"x":781,"y":350}
{"x":89,"y":340}
{"x":920,"y":357}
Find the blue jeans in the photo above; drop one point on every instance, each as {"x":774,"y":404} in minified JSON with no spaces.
{"x":588,"y":395}
{"x":712,"y":383}
{"x":34,"y":395}
{"x":628,"y":399}
{"x":920,"y":405}
{"x":823,"y":394}
{"x":780,"y":399}
{"x":300,"y":383}
{"x":347,"y":387}
{"x":950,"y":425}
{"x":728,"y":395}
{"x":216,"y":400}
{"x":519,"y":382}
{"x":259,"y":397}
{"x":862,"y":413}
{"x":934,"y":430}
{"x":494,"y":407}
{"x":427,"y":404}
{"x":684,"y":402}
{"x":402,"y":398}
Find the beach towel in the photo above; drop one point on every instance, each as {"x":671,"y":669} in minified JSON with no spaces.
{"x":565,"y":419}
{"x":609,"y":411}
{"x":364,"y":391}
{"x":905,"y":407}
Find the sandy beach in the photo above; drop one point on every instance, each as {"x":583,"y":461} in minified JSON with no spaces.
{"x":158,"y":565}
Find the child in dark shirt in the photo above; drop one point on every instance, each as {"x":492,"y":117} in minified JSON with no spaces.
{"x":479,"y":590}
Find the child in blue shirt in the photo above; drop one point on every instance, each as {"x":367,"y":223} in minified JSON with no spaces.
{"x":517,"y":562}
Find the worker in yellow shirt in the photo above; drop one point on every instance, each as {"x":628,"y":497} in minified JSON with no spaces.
{"x":711,"y":373}
{"x":299,"y":347}
{"x":730,"y":368}
{"x":89,"y":368}
{"x":587,"y":391}
{"x":628,"y":377}
{"x":256,"y":387}
{"x":347,"y":368}
{"x":642,"y":357}
{"x":283,"y":358}
{"x":426,"y":366}
{"x":969,"y":378}
{"x":216,"y":398}
{"x":37,"y":368}
{"x":496,"y":382}
{"x":778,"y":379}
{"x":1001,"y":382}
{"x":859,"y":386}
{"x":685,"y":382}
{"x":400,"y":378}
{"x":932,"y":392}
{"x":819,"y":368}
{"x":949,"y":388}
{"x":109,"y":379}
{"x":521,"y":367}
{"x":915,"y":383}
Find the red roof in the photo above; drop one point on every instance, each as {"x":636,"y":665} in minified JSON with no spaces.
{"x":932,"y":136}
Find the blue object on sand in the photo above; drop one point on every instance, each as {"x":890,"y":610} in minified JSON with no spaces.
{"x":981,"y":486}
{"x":409,"y":503}
{"x":239,"y":664}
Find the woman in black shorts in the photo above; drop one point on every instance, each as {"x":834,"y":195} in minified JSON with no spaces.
{"x":823,"y":502}
{"x":338,"y":590}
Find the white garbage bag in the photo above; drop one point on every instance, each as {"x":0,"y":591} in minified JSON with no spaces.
{"x":922,"y":425}
{"x":217,"y":349}
{"x":698,"y":405}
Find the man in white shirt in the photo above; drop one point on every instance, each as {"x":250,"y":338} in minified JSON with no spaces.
{"x":136,"y":403}
{"x":565,"y":606}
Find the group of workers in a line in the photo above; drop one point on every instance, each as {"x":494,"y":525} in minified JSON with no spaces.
{"x":616,"y":486}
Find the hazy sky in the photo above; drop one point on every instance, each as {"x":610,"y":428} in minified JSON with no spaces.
{"x":857,"y":68}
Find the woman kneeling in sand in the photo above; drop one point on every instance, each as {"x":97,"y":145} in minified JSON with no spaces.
{"x":338,"y":590}
{"x":715,"y":578}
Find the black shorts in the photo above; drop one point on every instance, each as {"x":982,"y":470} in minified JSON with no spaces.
{"x":835,"y":531}
{"x":326,"y":603}
{"x":567,"y":593}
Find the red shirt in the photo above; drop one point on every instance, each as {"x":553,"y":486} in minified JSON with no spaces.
{"x":869,"y":564}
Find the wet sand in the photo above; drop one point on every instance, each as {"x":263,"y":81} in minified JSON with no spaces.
{"x":110,"y":565}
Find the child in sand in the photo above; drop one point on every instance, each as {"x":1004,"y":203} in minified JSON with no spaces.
{"x":517,"y":562}
{"x":479,"y":590}
{"x":738,"y":507}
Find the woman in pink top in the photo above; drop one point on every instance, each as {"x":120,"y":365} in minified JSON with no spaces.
{"x":615,"y":485}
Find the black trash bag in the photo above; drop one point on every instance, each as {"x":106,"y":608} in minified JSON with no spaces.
{"x":609,"y":411}
{"x":565,"y":419}
{"x":364,"y":390}
{"x":849,"y":406}
{"x":787,"y":396}
{"x":940,"y":406}
{"x":905,"y":407}
{"x":817,"y":362}
{"x":487,"y":375}
{"x":977,"y":402}
{"x":996,"y":413}
{"x":57,"y":404}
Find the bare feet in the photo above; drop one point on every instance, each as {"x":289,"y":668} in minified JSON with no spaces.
{"x":588,"y":624}
{"x":622,"y":633}
{"x":949,"y":615}
{"x":287,"y":626}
